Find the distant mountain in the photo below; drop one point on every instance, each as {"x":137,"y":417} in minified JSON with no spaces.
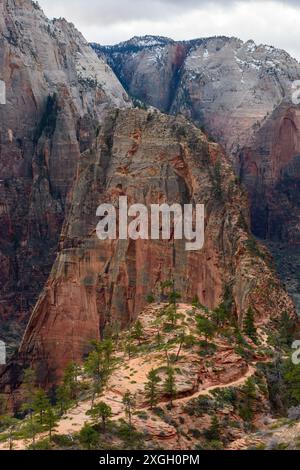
{"x":240,"y":93}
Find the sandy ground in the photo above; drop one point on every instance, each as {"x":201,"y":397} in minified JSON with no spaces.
{"x":75,"y":419}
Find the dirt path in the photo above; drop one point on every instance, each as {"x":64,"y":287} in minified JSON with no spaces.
{"x":75,"y":419}
{"x":206,"y":391}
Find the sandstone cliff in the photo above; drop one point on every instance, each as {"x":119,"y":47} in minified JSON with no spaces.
{"x":151,"y":158}
{"x":54,"y":80}
{"x":241,"y":93}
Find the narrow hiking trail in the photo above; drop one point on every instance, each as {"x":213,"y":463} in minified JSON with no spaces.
{"x":75,"y":419}
{"x":194,"y":376}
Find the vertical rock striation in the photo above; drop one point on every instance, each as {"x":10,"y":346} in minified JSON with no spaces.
{"x":55,"y":85}
{"x":151,"y":158}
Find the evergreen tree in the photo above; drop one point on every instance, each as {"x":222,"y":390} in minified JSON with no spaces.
{"x":174,"y":297}
{"x":98,"y":365}
{"x":70,"y":380}
{"x":88,"y":437}
{"x":171,"y":314}
{"x":151,"y":389}
{"x":116,"y":329}
{"x":102,"y":412}
{"x":62,"y":398}
{"x":31,"y":429}
{"x":50,"y":420}
{"x":249,"y":325}
{"x":129,"y":347}
{"x":213,"y":433}
{"x":286,"y":329}
{"x":129,"y":405}
{"x":181,"y":340}
{"x":40,"y":403}
{"x":205,"y":327}
{"x":291,"y":376}
{"x":150,"y":299}
{"x":170,"y":385}
{"x":11,"y":426}
{"x":106,"y":346}
{"x":138,"y":332}
{"x":166,"y":285}
{"x":247,"y":403}
{"x":221,"y":314}
{"x":28,"y":384}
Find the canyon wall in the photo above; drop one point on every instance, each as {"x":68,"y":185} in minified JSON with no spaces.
{"x":241,"y":94}
{"x":54,"y":81}
{"x":151,"y":158}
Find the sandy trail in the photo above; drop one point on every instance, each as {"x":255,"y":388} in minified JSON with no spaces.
{"x":75,"y":419}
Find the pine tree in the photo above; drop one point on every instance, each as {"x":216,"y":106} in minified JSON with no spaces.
{"x":129,"y":347}
{"x":129,"y":405}
{"x":40,"y":403}
{"x":181,"y":340}
{"x":11,"y":425}
{"x":151,"y":389}
{"x":249,"y":325}
{"x":116,"y":329}
{"x":291,"y":376}
{"x":205,"y":327}
{"x":286,"y":329}
{"x":150,"y":299}
{"x":98,"y":365}
{"x":247,"y":404}
{"x":29,"y":381}
{"x":70,"y":380}
{"x":62,"y":398}
{"x":50,"y":420}
{"x":102,"y":412}
{"x":170,"y":384}
{"x":31,"y":429}
{"x":88,"y":437}
{"x":221,"y":314}
{"x":138,"y":332}
{"x":213,"y":433}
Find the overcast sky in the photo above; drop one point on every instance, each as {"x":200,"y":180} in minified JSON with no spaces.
{"x":274,"y":22}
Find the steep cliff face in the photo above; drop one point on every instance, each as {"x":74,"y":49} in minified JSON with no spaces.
{"x":54,"y":80}
{"x":241,"y":93}
{"x":270,"y":167}
{"x":151,"y":158}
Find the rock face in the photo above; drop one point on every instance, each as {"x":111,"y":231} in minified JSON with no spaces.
{"x":241,"y":93}
{"x":55,"y":85}
{"x":151,"y":158}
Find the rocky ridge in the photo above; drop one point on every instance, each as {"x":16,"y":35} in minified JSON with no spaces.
{"x":56,"y":86}
{"x":241,"y":94}
{"x":150,"y":158}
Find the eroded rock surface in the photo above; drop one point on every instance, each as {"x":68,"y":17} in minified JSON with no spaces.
{"x":150,"y":158}
{"x":56,"y":87}
{"x":241,"y":93}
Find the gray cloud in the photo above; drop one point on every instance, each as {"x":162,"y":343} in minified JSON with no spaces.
{"x":106,"y":12}
{"x":272,"y":22}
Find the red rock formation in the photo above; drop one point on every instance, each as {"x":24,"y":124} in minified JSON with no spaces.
{"x":151,"y":158}
{"x":270,"y":168}
{"x":241,"y":93}
{"x":55,"y":83}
